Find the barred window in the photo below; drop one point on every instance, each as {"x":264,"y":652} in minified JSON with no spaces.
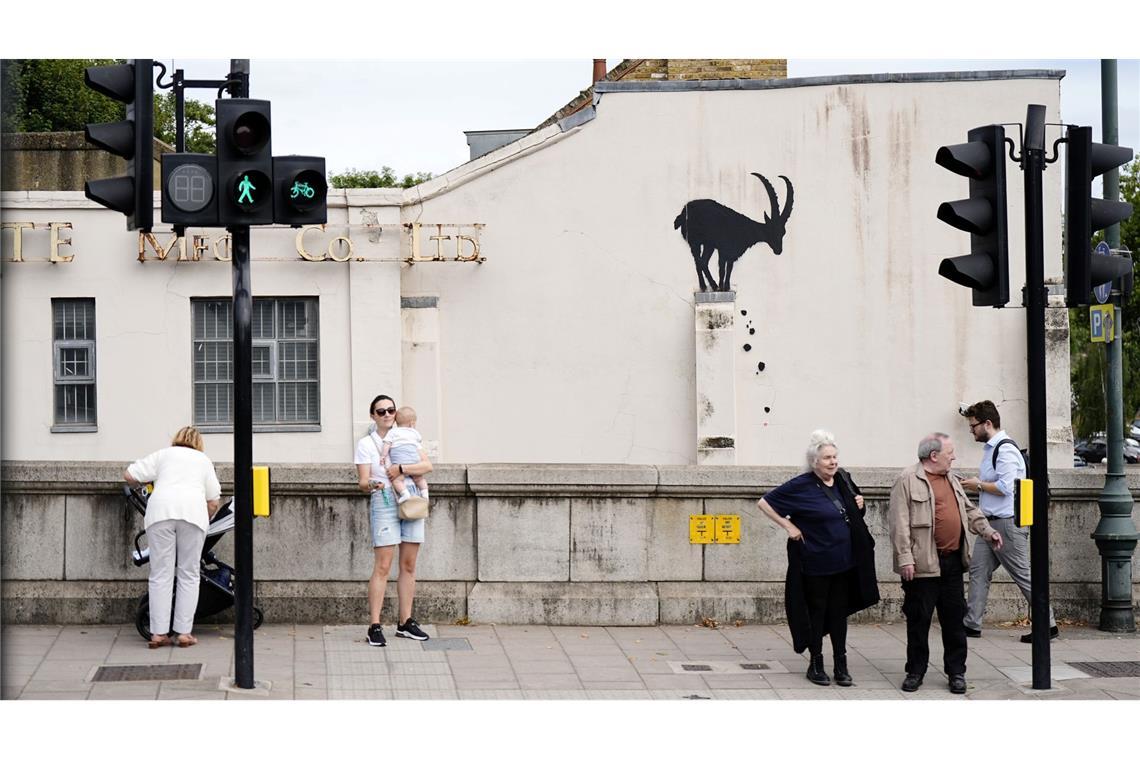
{"x":73,"y":360}
{"x":285,"y":358}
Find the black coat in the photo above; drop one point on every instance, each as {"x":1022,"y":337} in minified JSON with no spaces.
{"x":864,"y":586}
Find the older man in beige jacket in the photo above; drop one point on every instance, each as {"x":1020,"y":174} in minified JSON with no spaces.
{"x":928,"y":516}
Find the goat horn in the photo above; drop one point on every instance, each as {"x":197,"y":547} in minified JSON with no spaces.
{"x":771,"y":194}
{"x":787,"y":203}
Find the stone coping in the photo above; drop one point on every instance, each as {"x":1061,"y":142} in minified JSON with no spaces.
{"x":515,"y":479}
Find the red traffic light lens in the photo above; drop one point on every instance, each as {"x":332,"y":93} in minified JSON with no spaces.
{"x":250,"y":132}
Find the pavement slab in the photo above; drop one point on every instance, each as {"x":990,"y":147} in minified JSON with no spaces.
{"x":533,"y":662}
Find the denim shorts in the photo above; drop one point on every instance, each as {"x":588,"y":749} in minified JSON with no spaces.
{"x":387,"y":527}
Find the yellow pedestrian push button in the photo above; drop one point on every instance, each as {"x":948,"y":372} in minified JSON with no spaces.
{"x":260,"y":491}
{"x":1023,"y":503}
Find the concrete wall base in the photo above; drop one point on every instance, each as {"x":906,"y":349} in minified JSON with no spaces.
{"x":449,"y":602}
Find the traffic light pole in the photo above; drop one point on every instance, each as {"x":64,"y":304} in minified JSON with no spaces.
{"x":243,"y":438}
{"x":243,"y":460}
{"x":1115,"y":534}
{"x":1033,"y":165}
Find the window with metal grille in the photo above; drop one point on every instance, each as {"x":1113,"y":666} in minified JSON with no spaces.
{"x":285,"y":357}
{"x":73,"y":364}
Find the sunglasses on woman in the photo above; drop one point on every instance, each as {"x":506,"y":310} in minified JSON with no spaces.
{"x":385,"y":411}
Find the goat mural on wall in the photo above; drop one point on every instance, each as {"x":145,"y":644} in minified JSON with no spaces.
{"x":708,"y":226}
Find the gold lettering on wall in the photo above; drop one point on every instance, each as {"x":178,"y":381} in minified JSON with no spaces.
{"x":345,"y":244}
{"x":57,"y":241}
{"x":201,"y":245}
{"x":160,"y":251}
{"x":17,"y":237}
{"x":301,"y":251}
{"x":439,"y":243}
{"x":227,"y":246}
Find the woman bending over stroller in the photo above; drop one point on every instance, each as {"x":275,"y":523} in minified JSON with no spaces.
{"x":186,"y":493}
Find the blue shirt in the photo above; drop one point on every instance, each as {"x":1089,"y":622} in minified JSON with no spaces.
{"x":827,"y":538}
{"x":1010,"y":467}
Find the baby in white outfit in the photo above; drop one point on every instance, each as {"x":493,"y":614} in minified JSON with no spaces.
{"x":402,"y":445}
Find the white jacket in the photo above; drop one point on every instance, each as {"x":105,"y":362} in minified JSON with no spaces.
{"x":184,"y":480}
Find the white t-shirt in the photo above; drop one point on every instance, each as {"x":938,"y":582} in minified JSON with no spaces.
{"x":404,"y":436}
{"x":184,"y":480}
{"x":368,"y":452}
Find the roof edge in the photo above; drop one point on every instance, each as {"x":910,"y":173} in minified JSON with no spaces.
{"x":683,"y":85}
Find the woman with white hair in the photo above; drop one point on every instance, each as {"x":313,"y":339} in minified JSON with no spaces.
{"x":831,"y":561}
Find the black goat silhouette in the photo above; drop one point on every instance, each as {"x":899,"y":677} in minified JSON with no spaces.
{"x":708,"y":226}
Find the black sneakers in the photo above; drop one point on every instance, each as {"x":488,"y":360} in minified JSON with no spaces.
{"x":972,"y":633}
{"x":376,"y":636}
{"x":1028,"y":638}
{"x":957,"y":684}
{"x":410,"y":630}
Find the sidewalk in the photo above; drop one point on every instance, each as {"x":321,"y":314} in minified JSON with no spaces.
{"x":484,"y":662}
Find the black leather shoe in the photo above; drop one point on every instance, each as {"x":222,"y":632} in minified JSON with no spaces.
{"x":815,"y":672}
{"x":842,"y":677}
{"x":972,"y":633}
{"x":1028,"y":638}
{"x":911,"y":682}
{"x":958,"y":684}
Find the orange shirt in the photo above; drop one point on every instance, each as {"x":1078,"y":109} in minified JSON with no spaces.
{"x":947,"y":520}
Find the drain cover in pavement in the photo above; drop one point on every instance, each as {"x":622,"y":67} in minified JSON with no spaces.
{"x":107,"y":673}
{"x":1126,"y":669}
{"x":695,"y":667}
{"x":755,"y":666}
{"x":454,"y":645}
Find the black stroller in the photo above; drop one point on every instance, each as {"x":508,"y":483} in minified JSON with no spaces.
{"x":216,"y":592}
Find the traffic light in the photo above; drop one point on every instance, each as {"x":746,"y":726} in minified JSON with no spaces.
{"x":133,"y":139}
{"x":189,"y":189}
{"x":1084,"y":215}
{"x":245,"y":162}
{"x":300,"y":190}
{"x":986,"y":268}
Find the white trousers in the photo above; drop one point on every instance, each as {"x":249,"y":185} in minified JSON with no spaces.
{"x":175,"y":546}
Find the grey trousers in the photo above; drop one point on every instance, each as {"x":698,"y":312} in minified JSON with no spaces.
{"x":1013,"y":556}
{"x":175,"y":546}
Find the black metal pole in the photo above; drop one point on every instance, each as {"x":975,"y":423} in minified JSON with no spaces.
{"x":243,"y":451}
{"x":243,"y":460}
{"x":1033,"y":164}
{"x":179,"y":112}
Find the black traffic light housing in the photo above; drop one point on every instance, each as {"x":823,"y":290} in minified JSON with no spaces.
{"x":245,"y":162}
{"x":133,"y":139}
{"x":986,"y":269}
{"x":300,"y":190}
{"x":190,"y":189}
{"x":1084,"y":215}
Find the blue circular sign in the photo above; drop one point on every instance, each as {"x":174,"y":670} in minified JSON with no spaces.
{"x":1102,"y":292}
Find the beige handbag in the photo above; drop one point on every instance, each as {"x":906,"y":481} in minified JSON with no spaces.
{"x":413,"y":507}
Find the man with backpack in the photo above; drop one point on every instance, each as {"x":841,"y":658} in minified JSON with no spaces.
{"x":1001,"y":465}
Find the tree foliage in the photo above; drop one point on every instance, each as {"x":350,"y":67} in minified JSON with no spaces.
{"x":48,"y":95}
{"x":200,"y":123}
{"x":1088,"y":361}
{"x":386,"y":177}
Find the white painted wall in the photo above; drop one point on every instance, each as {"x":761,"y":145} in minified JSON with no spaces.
{"x":573,"y":342}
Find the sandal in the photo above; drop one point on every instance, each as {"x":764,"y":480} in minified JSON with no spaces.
{"x":158,"y":641}
{"x":186,"y":640}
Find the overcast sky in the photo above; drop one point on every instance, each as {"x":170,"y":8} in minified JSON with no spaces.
{"x":411,"y":115}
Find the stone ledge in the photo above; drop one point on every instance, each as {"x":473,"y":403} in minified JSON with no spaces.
{"x":599,"y":480}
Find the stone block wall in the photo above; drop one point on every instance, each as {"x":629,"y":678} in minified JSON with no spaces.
{"x":508,"y":543}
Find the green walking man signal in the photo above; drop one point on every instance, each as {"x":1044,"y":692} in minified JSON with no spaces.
{"x":245,"y":186}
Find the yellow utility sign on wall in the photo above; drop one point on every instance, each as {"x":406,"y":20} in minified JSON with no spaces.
{"x":727,"y":529}
{"x":700,"y":529}
{"x":714,"y":529}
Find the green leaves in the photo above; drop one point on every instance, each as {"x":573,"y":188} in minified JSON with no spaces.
{"x":386,"y":177}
